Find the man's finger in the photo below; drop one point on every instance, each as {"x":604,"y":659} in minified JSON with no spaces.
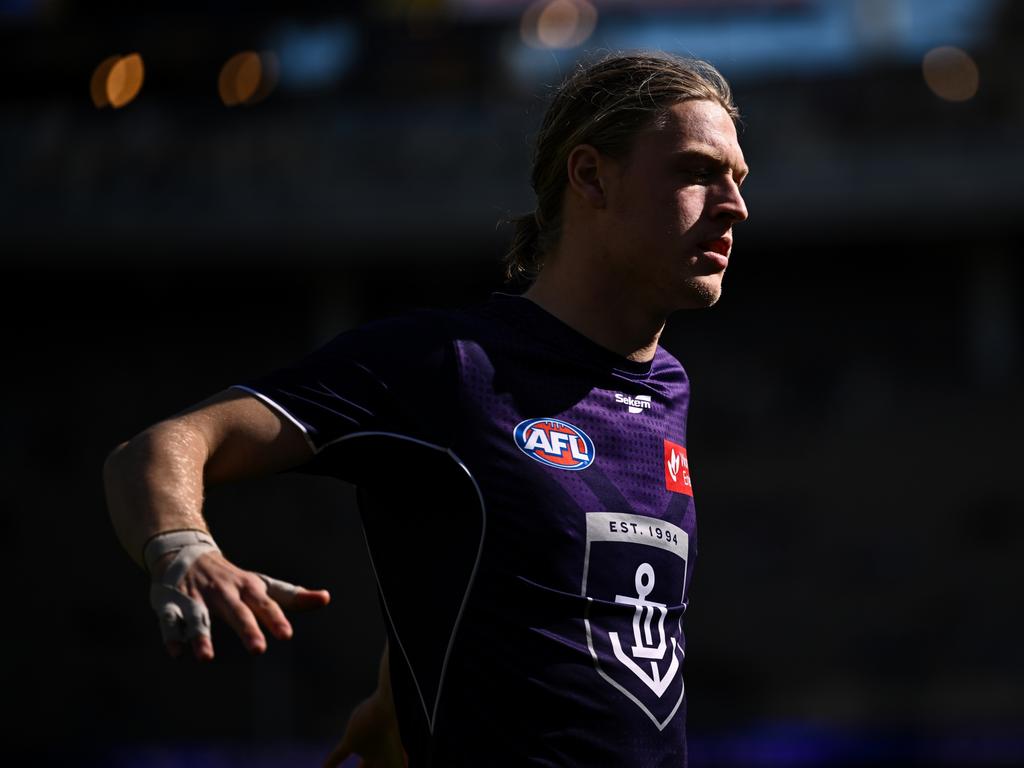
{"x":182,"y":617}
{"x":202,"y":648}
{"x":267,"y":611}
{"x":293,"y":597}
{"x":238,"y":616}
{"x":309,"y":599}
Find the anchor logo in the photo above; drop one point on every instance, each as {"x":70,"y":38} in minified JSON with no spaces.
{"x":644,"y":646}
{"x":636,"y":639}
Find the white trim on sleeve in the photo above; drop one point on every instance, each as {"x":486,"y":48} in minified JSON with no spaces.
{"x":281,"y":410}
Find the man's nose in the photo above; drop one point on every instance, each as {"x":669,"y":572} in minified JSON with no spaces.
{"x":730,"y":202}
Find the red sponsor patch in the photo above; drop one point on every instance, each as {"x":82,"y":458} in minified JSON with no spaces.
{"x":677,"y":469}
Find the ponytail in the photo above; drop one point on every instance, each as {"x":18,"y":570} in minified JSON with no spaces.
{"x":524,"y":258}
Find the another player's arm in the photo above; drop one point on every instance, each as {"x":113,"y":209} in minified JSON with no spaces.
{"x":155,"y":483}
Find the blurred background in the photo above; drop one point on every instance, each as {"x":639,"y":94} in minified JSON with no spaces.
{"x":195,"y":193}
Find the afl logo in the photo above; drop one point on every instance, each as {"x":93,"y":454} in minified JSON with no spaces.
{"x":555,"y":443}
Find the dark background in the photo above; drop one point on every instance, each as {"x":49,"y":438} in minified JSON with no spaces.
{"x":857,"y":400}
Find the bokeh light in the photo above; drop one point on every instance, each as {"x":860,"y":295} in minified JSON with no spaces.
{"x":98,"y":83}
{"x":558,"y":23}
{"x":117,"y":80}
{"x":950,"y":73}
{"x":247,"y":77}
{"x":124,"y":80}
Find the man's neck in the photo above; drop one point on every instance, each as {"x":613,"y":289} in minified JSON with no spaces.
{"x":605,"y":314}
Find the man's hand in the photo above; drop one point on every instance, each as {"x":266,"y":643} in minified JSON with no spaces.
{"x":245,"y":600}
{"x":372,"y":730}
{"x":155,"y":486}
{"x":371,"y":733}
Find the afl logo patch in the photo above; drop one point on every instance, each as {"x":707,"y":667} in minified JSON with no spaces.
{"x":555,"y":443}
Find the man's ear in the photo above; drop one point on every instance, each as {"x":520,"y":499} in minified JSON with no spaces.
{"x":586,"y":169}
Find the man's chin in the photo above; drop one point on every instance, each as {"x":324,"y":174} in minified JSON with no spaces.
{"x":701,"y":292}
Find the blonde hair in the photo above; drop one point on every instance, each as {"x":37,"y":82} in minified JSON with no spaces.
{"x":604,"y":104}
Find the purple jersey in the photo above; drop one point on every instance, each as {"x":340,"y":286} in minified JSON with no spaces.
{"x":526,"y":499}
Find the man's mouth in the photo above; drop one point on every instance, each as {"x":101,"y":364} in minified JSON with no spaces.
{"x":720,"y":245}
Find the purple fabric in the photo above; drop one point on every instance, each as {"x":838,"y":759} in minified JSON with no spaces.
{"x":526,"y":498}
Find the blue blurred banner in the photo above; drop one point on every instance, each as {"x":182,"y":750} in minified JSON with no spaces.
{"x":767,"y":745}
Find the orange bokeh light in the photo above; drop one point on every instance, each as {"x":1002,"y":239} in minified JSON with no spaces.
{"x":117,"y":80}
{"x":950,"y":73}
{"x":558,"y":23}
{"x":124,"y":81}
{"x":247,"y":77}
{"x":98,"y":83}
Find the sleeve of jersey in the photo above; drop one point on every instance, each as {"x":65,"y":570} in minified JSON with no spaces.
{"x":388,"y":377}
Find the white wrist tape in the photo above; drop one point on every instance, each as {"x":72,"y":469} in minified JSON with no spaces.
{"x":181,"y":618}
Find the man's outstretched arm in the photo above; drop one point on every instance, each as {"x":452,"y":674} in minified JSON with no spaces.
{"x":155,"y":484}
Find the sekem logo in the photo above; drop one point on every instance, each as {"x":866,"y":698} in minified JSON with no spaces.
{"x":637,"y":404}
{"x":555,"y":443}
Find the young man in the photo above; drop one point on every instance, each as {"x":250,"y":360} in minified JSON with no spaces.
{"x":522,"y":466}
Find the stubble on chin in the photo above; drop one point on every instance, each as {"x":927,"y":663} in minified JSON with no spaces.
{"x":701,"y":292}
